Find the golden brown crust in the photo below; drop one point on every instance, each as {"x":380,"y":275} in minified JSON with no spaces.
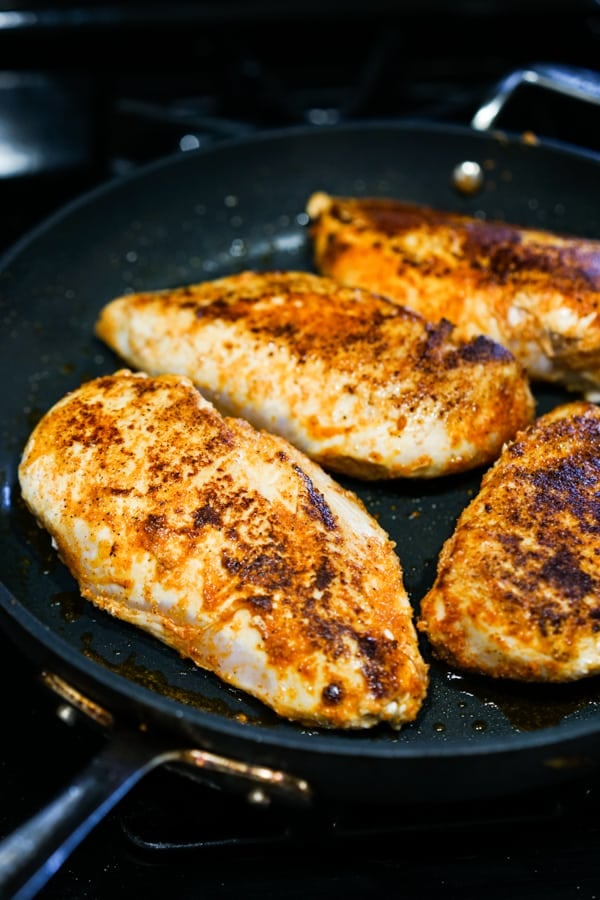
{"x":360,"y":384}
{"x":517,"y":592}
{"x":230,"y":546}
{"x":536,"y":292}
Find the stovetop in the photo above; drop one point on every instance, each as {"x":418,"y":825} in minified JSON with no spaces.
{"x":90,"y":93}
{"x":170,"y":838}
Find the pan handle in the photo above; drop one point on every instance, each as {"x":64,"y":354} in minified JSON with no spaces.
{"x":31,"y":855}
{"x":35,"y":851}
{"x":581,"y":84}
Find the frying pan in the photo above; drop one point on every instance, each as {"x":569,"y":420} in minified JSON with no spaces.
{"x":197,"y":216}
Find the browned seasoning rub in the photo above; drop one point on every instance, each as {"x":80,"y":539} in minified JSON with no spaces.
{"x":230,"y":546}
{"x":358,"y":383}
{"x":517,"y":592}
{"x":535,"y":292}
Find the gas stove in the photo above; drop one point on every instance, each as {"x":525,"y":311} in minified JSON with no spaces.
{"x":90,"y":93}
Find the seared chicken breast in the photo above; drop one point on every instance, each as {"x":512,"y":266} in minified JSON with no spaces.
{"x":517,"y":592}
{"x":359,"y":384}
{"x":230,"y":546}
{"x":535,"y":292}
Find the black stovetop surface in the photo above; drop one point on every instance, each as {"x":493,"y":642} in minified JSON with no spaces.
{"x":171,"y":838}
{"x":188,"y":75}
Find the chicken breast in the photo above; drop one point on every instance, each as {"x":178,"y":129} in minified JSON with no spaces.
{"x":359,"y":384}
{"x":536,"y":293}
{"x":517,"y":592}
{"x":230,"y":546}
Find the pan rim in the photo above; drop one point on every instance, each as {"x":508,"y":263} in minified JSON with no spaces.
{"x":337,"y":742}
{"x":115,"y":183}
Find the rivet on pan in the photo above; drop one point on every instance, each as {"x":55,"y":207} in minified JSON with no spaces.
{"x":66,"y":714}
{"x":257,"y":797}
{"x":467,"y":177}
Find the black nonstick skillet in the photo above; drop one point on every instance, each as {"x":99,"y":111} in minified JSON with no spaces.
{"x":194,"y":217}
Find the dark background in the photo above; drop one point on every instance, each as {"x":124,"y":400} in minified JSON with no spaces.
{"x":92,"y":91}
{"x":88,"y":91}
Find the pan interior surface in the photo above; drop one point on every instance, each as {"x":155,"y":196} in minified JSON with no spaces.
{"x":205,"y":214}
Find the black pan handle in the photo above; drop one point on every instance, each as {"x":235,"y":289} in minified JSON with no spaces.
{"x":35,"y":851}
{"x":580,"y":84}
